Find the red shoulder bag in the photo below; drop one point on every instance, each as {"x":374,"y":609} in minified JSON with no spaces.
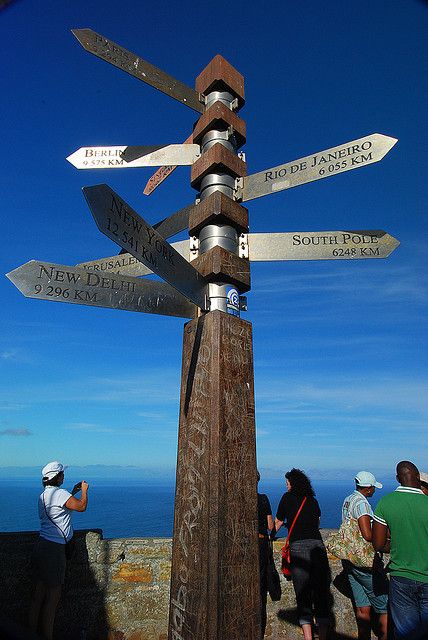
{"x":285,"y":551}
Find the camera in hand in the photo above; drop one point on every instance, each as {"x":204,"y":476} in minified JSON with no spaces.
{"x":76,"y":488}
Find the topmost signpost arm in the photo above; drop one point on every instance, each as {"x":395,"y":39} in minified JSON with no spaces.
{"x":119,"y":57}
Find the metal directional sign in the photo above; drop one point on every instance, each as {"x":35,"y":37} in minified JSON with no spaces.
{"x":174,"y":223}
{"x":320,"y":245}
{"x":126,"y":263}
{"x":270,"y":247}
{"x":161,"y":174}
{"x":121,"y":157}
{"x":350,"y":155}
{"x":141,"y":69}
{"x":117,"y":220}
{"x":61,"y":283}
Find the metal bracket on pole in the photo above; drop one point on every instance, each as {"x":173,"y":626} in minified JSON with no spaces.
{"x":220,"y":96}
{"x":239,"y":185}
{"x":193,"y":248}
{"x":243,"y":246}
{"x":230,"y":131}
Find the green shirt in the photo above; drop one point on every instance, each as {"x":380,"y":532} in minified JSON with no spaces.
{"x":405,"y":513}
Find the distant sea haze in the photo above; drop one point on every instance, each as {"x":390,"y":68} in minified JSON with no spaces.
{"x":138,"y":508}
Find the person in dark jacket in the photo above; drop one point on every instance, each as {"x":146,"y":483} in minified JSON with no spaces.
{"x":310,"y":571}
{"x":265,"y":525}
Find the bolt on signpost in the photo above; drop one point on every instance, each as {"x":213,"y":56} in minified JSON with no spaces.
{"x":214,"y":578}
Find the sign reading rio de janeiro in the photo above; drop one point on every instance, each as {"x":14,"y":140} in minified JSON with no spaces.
{"x":350,"y":155}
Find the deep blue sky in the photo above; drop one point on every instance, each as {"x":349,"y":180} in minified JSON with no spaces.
{"x":340,"y":347}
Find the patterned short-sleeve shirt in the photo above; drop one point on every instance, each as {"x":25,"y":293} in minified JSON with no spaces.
{"x":355,"y":506}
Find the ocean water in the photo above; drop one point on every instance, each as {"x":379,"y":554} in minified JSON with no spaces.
{"x":139,"y":508}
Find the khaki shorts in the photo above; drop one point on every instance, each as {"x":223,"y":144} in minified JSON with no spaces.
{"x":49,"y":562}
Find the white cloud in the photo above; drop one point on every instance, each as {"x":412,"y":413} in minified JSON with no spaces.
{"x":16,"y":433}
{"x":88,"y":426}
{"x":14,"y":355}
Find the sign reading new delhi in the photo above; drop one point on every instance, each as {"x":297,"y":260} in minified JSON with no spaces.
{"x":61,"y":283}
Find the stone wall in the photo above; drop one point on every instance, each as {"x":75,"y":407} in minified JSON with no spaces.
{"x":119,"y":589}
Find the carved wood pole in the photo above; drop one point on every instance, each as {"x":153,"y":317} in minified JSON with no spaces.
{"x":215,"y":592}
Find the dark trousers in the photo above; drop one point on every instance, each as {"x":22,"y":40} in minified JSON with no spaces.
{"x":263,"y":557}
{"x":310,"y":573}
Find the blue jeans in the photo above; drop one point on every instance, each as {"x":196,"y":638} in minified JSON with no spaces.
{"x":408,"y":601}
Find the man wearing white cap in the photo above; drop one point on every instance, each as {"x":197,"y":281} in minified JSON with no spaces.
{"x":424,"y":482}
{"x":55,"y":508}
{"x":356,"y":506}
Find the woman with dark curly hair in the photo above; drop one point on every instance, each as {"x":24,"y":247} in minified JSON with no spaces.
{"x":310,"y":571}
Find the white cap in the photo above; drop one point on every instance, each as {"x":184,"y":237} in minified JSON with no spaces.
{"x":52,"y":469}
{"x":367,"y":479}
{"x":423,"y":476}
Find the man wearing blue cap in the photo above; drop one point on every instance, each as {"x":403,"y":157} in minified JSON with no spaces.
{"x":356,"y":506}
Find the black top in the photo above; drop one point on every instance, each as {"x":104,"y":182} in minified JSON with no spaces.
{"x":263,"y":510}
{"x":307,"y":524}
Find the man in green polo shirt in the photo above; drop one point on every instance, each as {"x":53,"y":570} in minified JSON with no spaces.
{"x":403,"y":516}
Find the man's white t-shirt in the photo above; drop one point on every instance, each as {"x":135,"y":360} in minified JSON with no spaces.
{"x":55,"y":518}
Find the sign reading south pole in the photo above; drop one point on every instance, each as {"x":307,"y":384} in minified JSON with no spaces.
{"x":118,"y":221}
{"x":347,"y":156}
{"x":321,"y":245}
{"x":271,"y":247}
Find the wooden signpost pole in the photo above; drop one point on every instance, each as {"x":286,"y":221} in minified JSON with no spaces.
{"x":215,"y":575}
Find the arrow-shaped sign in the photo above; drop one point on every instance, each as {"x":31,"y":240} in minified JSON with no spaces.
{"x":174,"y":223}
{"x":126,"y":263}
{"x":268,"y":247}
{"x":117,"y":220}
{"x":119,"y":57}
{"x":118,"y":157}
{"x":320,"y":245}
{"x":350,"y":155}
{"x":161,"y":174}
{"x":167,"y":227}
{"x":61,"y":283}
